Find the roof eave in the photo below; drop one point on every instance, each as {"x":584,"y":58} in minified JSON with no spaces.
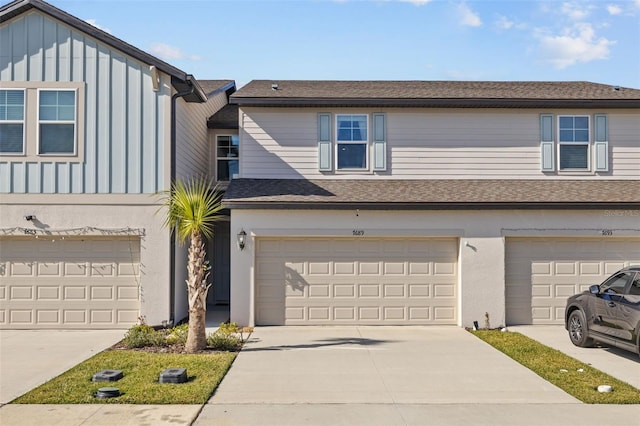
{"x":16,"y":8}
{"x":435,"y":103}
{"x":544,"y":205}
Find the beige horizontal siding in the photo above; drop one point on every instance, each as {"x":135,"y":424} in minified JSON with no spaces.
{"x":193,"y":146}
{"x":435,"y":143}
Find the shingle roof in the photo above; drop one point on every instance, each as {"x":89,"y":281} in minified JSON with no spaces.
{"x":211,"y":86}
{"x":434,"y":93}
{"x":431,"y":194}
{"x":224,"y":118}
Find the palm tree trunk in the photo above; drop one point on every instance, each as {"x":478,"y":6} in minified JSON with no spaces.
{"x":197,"y":290}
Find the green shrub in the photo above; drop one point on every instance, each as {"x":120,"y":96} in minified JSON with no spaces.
{"x":228,"y":328}
{"x":224,"y":342}
{"x":178,"y":335}
{"x":142,"y":335}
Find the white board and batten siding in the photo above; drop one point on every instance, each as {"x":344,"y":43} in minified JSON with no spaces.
{"x":123,"y":142}
{"x":376,"y":281}
{"x":542,"y":272}
{"x":427,"y":144}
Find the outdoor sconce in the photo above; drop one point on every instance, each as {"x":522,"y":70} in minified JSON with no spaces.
{"x":242,"y":237}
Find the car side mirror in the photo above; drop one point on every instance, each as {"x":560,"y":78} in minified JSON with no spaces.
{"x":594,"y":289}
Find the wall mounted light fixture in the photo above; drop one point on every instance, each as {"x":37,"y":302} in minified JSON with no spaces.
{"x":30,"y":217}
{"x":242,"y":238}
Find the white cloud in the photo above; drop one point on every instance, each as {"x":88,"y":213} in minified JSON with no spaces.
{"x":468,"y":17}
{"x":614,"y":9}
{"x":504,"y":23}
{"x":167,"y":52}
{"x":575,"y":11}
{"x":95,"y":24}
{"x":416,"y":2}
{"x":575,"y":45}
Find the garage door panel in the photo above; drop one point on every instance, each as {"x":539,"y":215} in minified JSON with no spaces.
{"x":368,"y":290}
{"x":369,"y":313}
{"x":70,"y":283}
{"x":344,"y":268}
{"x":48,"y":292}
{"x":419,"y":290}
{"x":384,"y":281}
{"x":444,"y":291}
{"x":50,"y":317}
{"x":444,"y":313}
{"x":22,"y":269}
{"x":542,"y":272}
{"x":369,"y":268}
{"x":443,"y":268}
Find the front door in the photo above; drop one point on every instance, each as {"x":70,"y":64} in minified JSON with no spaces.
{"x":219,"y":258}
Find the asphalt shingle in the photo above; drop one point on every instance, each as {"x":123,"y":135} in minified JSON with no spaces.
{"x":445,"y":193}
{"x":434,"y":90}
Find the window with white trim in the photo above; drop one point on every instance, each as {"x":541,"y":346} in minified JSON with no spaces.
{"x":12,"y":121}
{"x":352,"y":141}
{"x":56,"y":122}
{"x":573,"y":142}
{"x":227,"y":153}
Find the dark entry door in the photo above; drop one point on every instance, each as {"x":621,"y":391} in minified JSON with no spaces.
{"x":219,"y":257}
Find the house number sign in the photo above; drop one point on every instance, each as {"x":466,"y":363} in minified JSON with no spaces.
{"x":358,"y":232}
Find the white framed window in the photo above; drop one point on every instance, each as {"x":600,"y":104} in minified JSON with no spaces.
{"x":56,"y":122}
{"x":574,"y":136}
{"x":12,"y":112}
{"x":352,"y":141}
{"x":227,"y":157}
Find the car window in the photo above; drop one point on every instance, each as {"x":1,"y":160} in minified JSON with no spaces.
{"x":634,"y":289}
{"x":617,"y":283}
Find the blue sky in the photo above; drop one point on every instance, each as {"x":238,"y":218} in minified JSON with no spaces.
{"x":243,"y":40}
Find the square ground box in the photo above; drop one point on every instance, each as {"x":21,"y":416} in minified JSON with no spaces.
{"x":173,"y":375}
{"x":108,"y":376}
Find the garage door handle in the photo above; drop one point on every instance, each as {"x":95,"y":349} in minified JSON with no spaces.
{"x":612,"y":305}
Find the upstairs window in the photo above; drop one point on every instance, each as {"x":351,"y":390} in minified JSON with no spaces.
{"x":227,"y":152}
{"x":573,"y":142}
{"x":352,"y":141}
{"x":57,"y":122}
{"x":12,"y":121}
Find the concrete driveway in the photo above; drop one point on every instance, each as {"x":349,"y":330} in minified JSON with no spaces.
{"x":386,"y":375}
{"x":29,"y":358}
{"x":289,"y":365}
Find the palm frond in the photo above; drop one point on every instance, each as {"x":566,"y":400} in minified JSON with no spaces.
{"x":191,"y":207}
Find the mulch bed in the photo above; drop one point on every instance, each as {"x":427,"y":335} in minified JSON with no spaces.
{"x":169,"y":349}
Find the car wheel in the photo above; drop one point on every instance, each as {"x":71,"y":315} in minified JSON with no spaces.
{"x":578,"y":332}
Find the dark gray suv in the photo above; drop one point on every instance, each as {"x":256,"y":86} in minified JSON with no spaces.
{"x":608,"y":313}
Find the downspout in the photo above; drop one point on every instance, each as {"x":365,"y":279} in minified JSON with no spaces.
{"x":172,"y":249}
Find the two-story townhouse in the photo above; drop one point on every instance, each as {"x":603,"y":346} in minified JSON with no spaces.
{"x":90,"y":129}
{"x":430,"y":202}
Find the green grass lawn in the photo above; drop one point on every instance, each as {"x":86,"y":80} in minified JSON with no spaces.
{"x":560,"y":369}
{"x":140,"y":383}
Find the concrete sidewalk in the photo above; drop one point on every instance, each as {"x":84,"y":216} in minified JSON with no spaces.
{"x":97,"y":415}
{"x":28,"y":358}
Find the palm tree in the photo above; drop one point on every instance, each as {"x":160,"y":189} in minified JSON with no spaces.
{"x":191,"y":210}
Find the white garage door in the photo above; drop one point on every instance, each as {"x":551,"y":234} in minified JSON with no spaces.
{"x":542,"y":272}
{"x":69,"y":283}
{"x":356,"y":281}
